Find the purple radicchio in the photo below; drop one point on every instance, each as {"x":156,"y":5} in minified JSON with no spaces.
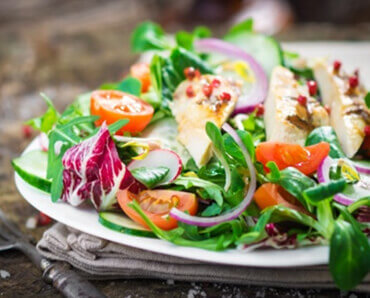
{"x":93,"y":170}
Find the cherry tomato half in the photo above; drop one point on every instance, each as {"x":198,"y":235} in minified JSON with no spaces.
{"x":270,"y":194}
{"x":113,"y":105}
{"x":157,"y":204}
{"x":304,"y":159}
{"x":141,"y":71}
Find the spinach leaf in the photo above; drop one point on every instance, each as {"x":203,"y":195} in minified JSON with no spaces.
{"x":212,"y":210}
{"x":186,"y":39}
{"x":326,"y":134}
{"x":349,"y":260}
{"x":325,"y":218}
{"x":150,"y":177}
{"x":46,"y":122}
{"x":367,"y":100}
{"x":292,"y":181}
{"x":130,"y":85}
{"x":323,"y":191}
{"x":148,"y":36}
{"x":244,"y":26}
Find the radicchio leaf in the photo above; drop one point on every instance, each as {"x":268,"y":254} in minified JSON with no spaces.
{"x":93,"y":170}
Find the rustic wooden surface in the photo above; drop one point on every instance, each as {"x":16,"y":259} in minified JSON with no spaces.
{"x":63,"y":49}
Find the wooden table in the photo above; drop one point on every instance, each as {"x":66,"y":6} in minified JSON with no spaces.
{"x":66,"y":50}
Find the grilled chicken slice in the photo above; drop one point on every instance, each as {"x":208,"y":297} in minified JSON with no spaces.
{"x":286,"y":119}
{"x":349,"y":114}
{"x":195,"y":102}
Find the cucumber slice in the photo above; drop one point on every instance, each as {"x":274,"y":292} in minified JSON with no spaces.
{"x":121,"y":223}
{"x":32,"y":166}
{"x":265,"y":49}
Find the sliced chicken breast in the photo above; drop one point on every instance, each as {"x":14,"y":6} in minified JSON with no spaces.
{"x":286,"y":119}
{"x":349,"y":114}
{"x":197,"y":101}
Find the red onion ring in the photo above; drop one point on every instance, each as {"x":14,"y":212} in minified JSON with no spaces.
{"x":323,"y":177}
{"x":362,"y":168}
{"x":236,"y":211}
{"x":247,"y":103}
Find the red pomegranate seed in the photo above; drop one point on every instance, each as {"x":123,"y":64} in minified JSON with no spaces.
{"x":27,"y":131}
{"x":353,"y":81}
{"x":207,"y":90}
{"x":260,"y":110}
{"x":367,"y":130}
{"x":43,"y":219}
{"x":302,"y":100}
{"x":327,"y":108}
{"x":336,"y":65}
{"x":312,"y":87}
{"x":191,"y":73}
{"x":225,"y":96}
{"x":216,"y":83}
{"x":190,"y":91}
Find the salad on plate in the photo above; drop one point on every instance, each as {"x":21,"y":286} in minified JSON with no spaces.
{"x":218,"y":144}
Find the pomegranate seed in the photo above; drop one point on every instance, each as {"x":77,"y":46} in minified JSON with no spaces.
{"x":327,"y":108}
{"x":353,"y":81}
{"x":190,"y":91}
{"x":27,"y":131}
{"x":367,"y":130}
{"x":207,"y":90}
{"x":190,"y":73}
{"x":336,"y":65}
{"x":225,"y":96}
{"x":302,"y":100}
{"x":312,"y":87}
{"x":260,"y":110}
{"x":216,"y":83}
{"x":43,"y":219}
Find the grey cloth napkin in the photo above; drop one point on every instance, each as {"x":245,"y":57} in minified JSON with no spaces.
{"x":100,"y":259}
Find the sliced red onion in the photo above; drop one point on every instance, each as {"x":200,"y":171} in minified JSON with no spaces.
{"x":323,"y":173}
{"x":361,"y":168}
{"x":247,"y":102}
{"x":236,"y":211}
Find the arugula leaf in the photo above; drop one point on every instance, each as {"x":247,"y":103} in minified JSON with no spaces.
{"x":212,"y":171}
{"x":148,"y":36}
{"x":130,"y":85}
{"x":323,"y":191}
{"x":248,"y":142}
{"x":186,"y":39}
{"x":244,"y":26}
{"x":46,"y":122}
{"x":236,"y":192}
{"x":325,"y":218}
{"x":150,"y":177}
{"x":292,"y":181}
{"x":349,"y":260}
{"x":211,"y":210}
{"x":326,"y":134}
{"x":367,"y":100}
{"x":359,"y":203}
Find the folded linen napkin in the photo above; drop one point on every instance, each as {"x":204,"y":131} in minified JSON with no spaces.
{"x":100,"y":259}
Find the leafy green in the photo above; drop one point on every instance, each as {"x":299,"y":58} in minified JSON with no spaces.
{"x":326,"y":134}
{"x":242,"y":27}
{"x":186,"y":39}
{"x":367,"y":100}
{"x":46,"y":122}
{"x":130,"y":85}
{"x":359,"y":203}
{"x":148,"y":36}
{"x":150,"y":177}
{"x":292,"y":181}
{"x":323,"y":191}
{"x":349,"y":260}
{"x":212,"y":210}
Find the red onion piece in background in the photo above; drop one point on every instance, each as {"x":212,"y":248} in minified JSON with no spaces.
{"x":247,"y":102}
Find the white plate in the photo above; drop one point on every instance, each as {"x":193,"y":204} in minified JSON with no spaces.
{"x":86,"y":219}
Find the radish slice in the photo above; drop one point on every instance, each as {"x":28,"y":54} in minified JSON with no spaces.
{"x":234,"y":212}
{"x":43,"y":141}
{"x":160,"y":158}
{"x":352,"y":192}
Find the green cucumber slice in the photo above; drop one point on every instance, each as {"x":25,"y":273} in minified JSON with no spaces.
{"x":31,"y":167}
{"x":265,"y":49}
{"x":121,"y":223}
